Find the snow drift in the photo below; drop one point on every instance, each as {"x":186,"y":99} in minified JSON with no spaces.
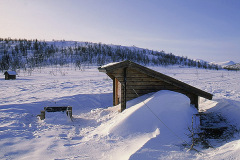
{"x":171,"y":108}
{"x":165,"y":115}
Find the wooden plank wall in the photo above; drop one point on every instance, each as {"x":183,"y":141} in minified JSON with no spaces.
{"x":141,"y":83}
{"x":144,"y":84}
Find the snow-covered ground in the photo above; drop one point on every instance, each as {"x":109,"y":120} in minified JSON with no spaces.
{"x":98,"y":130}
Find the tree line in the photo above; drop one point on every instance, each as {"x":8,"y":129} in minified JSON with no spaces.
{"x":23,"y":54}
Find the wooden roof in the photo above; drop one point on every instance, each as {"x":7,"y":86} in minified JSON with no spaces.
{"x":128,"y":64}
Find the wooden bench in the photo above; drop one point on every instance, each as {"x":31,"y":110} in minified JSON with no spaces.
{"x":68,"y":110}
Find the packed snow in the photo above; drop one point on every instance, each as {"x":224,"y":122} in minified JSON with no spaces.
{"x":154,"y":126}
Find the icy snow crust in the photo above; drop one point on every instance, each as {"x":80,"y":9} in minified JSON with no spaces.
{"x":98,"y":130}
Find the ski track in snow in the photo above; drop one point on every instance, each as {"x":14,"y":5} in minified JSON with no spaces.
{"x":96,"y":131}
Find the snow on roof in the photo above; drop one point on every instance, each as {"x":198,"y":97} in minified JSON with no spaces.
{"x":109,"y":64}
{"x":11,"y":72}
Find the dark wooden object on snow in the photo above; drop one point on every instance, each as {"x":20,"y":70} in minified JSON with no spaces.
{"x":10,"y":75}
{"x":130,"y":78}
{"x":68,"y":110}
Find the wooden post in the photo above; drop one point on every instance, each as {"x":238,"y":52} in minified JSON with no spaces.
{"x":69,"y":111}
{"x":124,"y":90}
{"x":114,"y":91}
{"x":194,"y":100}
{"x":42,"y":115}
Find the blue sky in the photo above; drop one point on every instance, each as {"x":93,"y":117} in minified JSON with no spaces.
{"x":203,"y":29}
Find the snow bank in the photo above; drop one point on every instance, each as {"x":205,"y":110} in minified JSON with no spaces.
{"x":229,"y":109}
{"x":226,"y":107}
{"x":228,"y":151}
{"x":172,"y":108}
{"x":138,"y":124}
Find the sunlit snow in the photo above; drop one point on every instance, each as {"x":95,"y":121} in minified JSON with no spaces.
{"x":98,"y":130}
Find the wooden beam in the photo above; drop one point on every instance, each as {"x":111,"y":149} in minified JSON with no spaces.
{"x":124,"y":91}
{"x":111,"y":76}
{"x":140,"y":79}
{"x":194,"y":100}
{"x":114,"y":91}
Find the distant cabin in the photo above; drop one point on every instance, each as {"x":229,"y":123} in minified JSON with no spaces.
{"x":131,"y":80}
{"x":10,"y":75}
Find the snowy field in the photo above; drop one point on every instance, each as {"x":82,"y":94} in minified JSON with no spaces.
{"x":98,"y":130}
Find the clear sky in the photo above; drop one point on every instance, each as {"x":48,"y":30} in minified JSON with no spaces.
{"x":198,"y":29}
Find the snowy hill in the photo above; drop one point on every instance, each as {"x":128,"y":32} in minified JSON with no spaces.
{"x":98,"y":130}
{"x":200,"y":60}
{"x":223,"y":64}
{"x":233,"y":67}
{"x":33,"y":54}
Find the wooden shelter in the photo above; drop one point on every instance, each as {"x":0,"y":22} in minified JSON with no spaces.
{"x":10,"y":75}
{"x":131,"y":80}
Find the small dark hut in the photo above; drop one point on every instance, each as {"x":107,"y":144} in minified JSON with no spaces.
{"x":10,"y":75}
{"x":131,"y":80}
